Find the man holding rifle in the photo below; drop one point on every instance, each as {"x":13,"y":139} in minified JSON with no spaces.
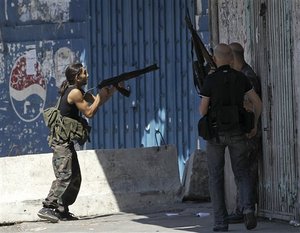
{"x":73,"y":101}
{"x":222,"y":101}
{"x":68,"y":127}
{"x":225,"y":123}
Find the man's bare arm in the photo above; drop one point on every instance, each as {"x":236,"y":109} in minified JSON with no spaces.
{"x":88,"y":110}
{"x":203,"y":108}
{"x":257,"y":106}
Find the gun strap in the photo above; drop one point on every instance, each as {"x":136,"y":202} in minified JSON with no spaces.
{"x":58,"y":102}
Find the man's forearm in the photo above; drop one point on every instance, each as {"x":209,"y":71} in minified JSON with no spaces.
{"x":257,"y":111}
{"x":93,"y":108}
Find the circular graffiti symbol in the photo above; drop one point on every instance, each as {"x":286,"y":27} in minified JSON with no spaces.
{"x":27,"y":89}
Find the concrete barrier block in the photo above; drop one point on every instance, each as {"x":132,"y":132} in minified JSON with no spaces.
{"x":195,"y":178}
{"x":112,"y":181}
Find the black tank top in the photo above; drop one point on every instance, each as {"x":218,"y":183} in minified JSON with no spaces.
{"x":66,"y":109}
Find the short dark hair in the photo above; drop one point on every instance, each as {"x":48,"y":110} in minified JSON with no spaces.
{"x":237,"y":50}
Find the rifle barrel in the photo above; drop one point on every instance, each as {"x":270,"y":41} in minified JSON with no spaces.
{"x":123,"y":77}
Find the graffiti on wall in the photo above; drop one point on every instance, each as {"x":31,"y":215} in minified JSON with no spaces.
{"x":30,"y":77}
{"x":63,"y":57}
{"x":27,"y":87}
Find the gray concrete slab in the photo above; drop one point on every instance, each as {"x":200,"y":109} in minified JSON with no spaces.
{"x":179,"y":218}
{"x":113,"y":180}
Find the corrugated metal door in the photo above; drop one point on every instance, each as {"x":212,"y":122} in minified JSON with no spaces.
{"x":128,"y":35}
{"x":273,"y":57}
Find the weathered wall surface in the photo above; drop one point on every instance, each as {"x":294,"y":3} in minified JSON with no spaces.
{"x":296,"y":89}
{"x":274,"y":54}
{"x":235,"y":24}
{"x":37,"y":40}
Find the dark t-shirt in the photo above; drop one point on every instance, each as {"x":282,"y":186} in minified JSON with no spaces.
{"x":66,"y":109}
{"x":253,"y":78}
{"x":225,"y":86}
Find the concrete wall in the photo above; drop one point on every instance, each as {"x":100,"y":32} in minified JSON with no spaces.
{"x":112,"y":181}
{"x":235,"y":24}
{"x":296,"y":72}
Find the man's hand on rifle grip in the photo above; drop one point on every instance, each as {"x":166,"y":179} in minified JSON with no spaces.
{"x":106,"y":92}
{"x":88,"y":97}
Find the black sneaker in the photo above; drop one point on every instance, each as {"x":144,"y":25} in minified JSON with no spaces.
{"x":250,"y":221}
{"x":67,"y":216}
{"x":220,"y":228}
{"x":49,"y":214}
{"x":235,"y":218}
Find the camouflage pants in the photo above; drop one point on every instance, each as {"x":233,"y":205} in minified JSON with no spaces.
{"x":255,"y":153}
{"x":65,"y":187}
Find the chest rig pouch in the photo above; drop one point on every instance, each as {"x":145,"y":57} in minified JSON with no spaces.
{"x":65,"y":128}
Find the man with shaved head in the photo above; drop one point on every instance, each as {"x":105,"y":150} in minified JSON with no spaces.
{"x":222,"y":101}
{"x":241,"y":65}
{"x":254,"y":143}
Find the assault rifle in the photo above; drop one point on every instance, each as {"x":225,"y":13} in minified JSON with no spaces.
{"x":204,"y":62}
{"x":114,"y":81}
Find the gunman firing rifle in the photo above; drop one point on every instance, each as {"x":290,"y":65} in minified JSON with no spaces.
{"x":114,"y":81}
{"x":200,"y":69}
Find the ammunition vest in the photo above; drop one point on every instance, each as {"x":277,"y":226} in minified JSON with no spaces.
{"x":65,"y":128}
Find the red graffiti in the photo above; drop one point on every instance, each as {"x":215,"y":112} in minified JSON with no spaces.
{"x":21,"y":80}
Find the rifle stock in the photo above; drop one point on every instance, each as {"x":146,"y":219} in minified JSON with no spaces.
{"x":114,"y":81}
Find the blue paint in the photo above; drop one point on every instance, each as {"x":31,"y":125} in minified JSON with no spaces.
{"x":110,"y":37}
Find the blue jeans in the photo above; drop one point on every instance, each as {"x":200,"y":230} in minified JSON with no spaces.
{"x":254,"y":155}
{"x":236,"y":143}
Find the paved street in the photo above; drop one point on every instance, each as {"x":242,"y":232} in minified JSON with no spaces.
{"x":179,"y":218}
